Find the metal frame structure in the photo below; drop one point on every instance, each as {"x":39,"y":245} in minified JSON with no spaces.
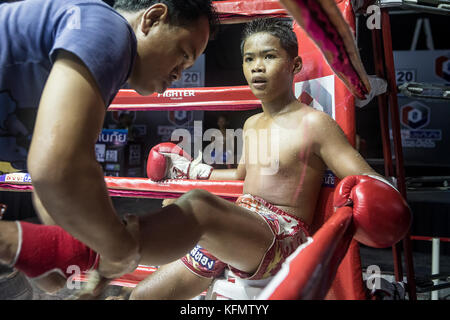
{"x":388,"y":104}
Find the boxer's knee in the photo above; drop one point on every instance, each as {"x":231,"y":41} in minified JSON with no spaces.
{"x":198,"y":202}
{"x":196,"y":195}
{"x":194,"y":200}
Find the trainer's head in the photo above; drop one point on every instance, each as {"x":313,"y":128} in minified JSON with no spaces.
{"x":269,"y":50}
{"x":171,"y":35}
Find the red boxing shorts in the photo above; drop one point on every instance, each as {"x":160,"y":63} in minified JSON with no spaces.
{"x":289,"y":232}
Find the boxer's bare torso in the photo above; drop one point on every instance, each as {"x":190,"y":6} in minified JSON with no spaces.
{"x":281,"y":165}
{"x":304,"y":141}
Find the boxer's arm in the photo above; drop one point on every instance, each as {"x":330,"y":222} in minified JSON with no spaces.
{"x":229,"y":174}
{"x":381,"y":214}
{"x":233,"y":174}
{"x":332,"y":146}
{"x":66,"y":176}
{"x":240,"y":172}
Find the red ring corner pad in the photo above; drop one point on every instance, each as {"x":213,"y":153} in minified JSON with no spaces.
{"x":171,"y":188}
{"x":309,"y":273}
{"x":231,"y":9}
{"x":139,"y":187}
{"x":208,"y":99}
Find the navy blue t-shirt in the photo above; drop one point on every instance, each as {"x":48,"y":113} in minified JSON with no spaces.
{"x":31,"y":33}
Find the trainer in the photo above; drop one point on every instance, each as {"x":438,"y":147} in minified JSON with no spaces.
{"x":61,"y":64}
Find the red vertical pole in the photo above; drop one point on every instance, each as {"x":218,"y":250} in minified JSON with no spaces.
{"x":395,"y":123}
{"x":385,"y":138}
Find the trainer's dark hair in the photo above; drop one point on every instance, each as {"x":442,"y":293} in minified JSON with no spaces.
{"x":181,"y":12}
{"x":279,"y":28}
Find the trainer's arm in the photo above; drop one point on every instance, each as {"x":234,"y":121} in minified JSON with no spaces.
{"x":66,"y":176}
{"x":331,"y":144}
{"x":44,"y":216}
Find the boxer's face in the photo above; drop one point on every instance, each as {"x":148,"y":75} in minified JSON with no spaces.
{"x":164,"y":51}
{"x":268,"y":68}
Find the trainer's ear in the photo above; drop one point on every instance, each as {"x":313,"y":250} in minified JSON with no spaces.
{"x":297,"y":64}
{"x":152,"y":16}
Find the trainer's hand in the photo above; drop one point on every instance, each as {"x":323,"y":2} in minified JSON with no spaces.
{"x":112,"y":269}
{"x":168,"y":161}
{"x":381,"y":215}
{"x":92,"y":289}
{"x":108,"y":270}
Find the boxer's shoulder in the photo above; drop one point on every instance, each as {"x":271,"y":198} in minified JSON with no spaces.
{"x":301,"y":118}
{"x":315,"y":117}
{"x":319,"y":123}
{"x":251,"y":121}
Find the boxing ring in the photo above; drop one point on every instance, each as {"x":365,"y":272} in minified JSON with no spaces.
{"x":329,"y":267}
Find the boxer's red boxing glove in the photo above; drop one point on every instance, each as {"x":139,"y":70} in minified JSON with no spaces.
{"x":381,"y":215}
{"x":169,"y":161}
{"x":157,"y":164}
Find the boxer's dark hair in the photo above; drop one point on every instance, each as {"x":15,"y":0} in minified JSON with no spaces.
{"x":181,"y":12}
{"x":279,"y":28}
